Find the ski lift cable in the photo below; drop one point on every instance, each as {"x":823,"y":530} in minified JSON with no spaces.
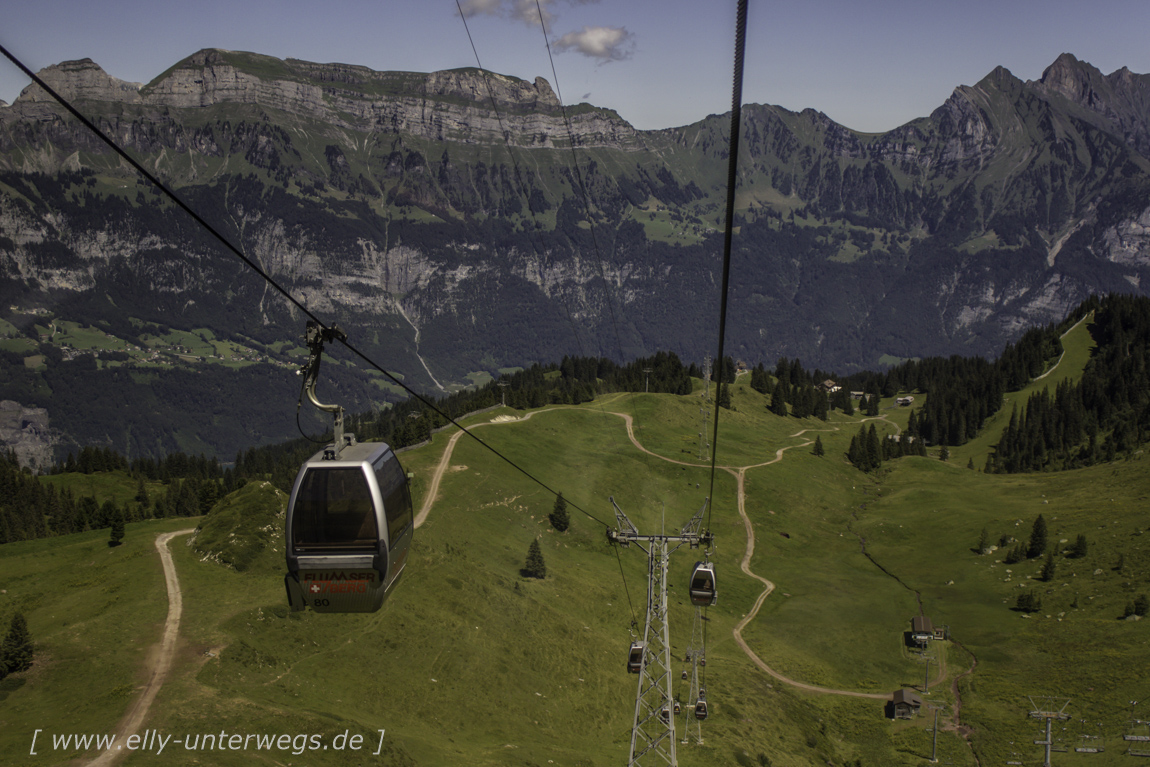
{"x":522,"y":190}
{"x":587,"y":206}
{"x":626,"y":590}
{"x":732,"y":177}
{"x":163,"y":188}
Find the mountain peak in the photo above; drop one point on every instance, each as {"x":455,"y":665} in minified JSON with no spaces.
{"x":1074,"y":79}
{"x":78,"y":80}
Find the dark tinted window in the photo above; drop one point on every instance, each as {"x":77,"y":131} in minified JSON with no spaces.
{"x":396,"y":497}
{"x":334,"y":510}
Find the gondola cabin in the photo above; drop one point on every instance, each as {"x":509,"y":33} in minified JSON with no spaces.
{"x":701,"y":704}
{"x":635,"y":657}
{"x":703,"y":591}
{"x":349,"y":528}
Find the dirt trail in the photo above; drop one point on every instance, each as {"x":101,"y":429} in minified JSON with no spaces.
{"x":163,"y":663}
{"x":739,"y":472}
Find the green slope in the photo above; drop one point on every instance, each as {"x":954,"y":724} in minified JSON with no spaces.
{"x":470,"y":663}
{"x":1077,"y":345}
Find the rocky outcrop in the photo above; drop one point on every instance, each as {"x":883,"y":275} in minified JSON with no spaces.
{"x":1128,"y":242}
{"x":1121,"y":99}
{"x":81,"y":80}
{"x":465,"y":105}
{"x":25,"y":431}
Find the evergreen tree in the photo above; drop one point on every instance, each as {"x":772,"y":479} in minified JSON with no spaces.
{"x":558,"y":516}
{"x":1080,"y":547}
{"x":848,"y":405}
{"x":117,"y":534}
{"x":1141,"y":605}
{"x":535,"y":567}
{"x":943,"y":453}
{"x":970,"y":464}
{"x":724,"y":396}
{"x":1048,"y":567}
{"x":1037,"y":545}
{"x":1028,"y":602}
{"x":779,"y":399}
{"x":873,"y":449}
{"x":983,"y":541}
{"x":16,"y":650}
{"x":818,"y":448}
{"x":141,"y":493}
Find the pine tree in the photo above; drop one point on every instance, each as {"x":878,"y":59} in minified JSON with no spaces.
{"x":1028,"y":602}
{"x":535,"y":567}
{"x":16,"y":650}
{"x":141,"y":493}
{"x":1080,"y":547}
{"x":1141,"y":605}
{"x":873,"y":449}
{"x":1037,"y":545}
{"x":558,"y":516}
{"x":779,"y":400}
{"x":818,"y":448}
{"x":1048,"y":567}
{"x":983,"y":541}
{"x":943,"y":453}
{"x":724,"y":396}
{"x":117,"y":534}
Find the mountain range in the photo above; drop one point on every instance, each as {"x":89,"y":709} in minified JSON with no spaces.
{"x":463,"y":222}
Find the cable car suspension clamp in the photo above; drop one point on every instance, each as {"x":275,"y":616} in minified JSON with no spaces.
{"x":316,"y":335}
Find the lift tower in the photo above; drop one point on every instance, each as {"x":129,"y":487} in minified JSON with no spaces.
{"x":653,"y":731}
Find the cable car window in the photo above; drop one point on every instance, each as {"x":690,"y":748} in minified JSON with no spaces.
{"x":396,"y":498}
{"x":334,"y":510}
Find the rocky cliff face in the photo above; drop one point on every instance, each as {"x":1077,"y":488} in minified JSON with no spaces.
{"x":25,"y":431}
{"x":393,"y":198}
{"x":453,"y":105}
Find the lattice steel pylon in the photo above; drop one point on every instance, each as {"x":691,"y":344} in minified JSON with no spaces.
{"x":695,"y":650}
{"x":653,"y":728}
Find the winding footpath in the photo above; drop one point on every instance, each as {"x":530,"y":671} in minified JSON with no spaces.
{"x":739,"y":472}
{"x":167,"y":650}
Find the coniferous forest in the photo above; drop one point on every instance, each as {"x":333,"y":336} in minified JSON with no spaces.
{"x":1104,"y":415}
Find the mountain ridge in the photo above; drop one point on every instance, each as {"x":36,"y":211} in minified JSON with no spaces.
{"x":392,"y":202}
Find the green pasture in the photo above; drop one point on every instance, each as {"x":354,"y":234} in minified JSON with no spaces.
{"x":102,"y":485}
{"x":470,"y":662}
{"x":1077,"y":346}
{"x":94,"y":612}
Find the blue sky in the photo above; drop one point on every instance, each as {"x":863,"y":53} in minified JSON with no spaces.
{"x":869,"y":65}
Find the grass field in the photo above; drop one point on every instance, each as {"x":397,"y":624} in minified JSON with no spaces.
{"x":471,"y":663}
{"x":1077,"y":346}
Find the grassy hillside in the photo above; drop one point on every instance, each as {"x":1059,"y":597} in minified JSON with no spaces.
{"x":471,"y":663}
{"x":1077,"y":345}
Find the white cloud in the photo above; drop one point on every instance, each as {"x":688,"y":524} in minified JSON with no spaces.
{"x":604,"y":43}
{"x":528,"y":12}
{"x":475,"y":7}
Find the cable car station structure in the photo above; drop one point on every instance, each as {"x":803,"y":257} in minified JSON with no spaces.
{"x":653,"y":728}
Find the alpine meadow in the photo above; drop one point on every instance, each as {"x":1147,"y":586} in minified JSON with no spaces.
{"x":899,"y":518}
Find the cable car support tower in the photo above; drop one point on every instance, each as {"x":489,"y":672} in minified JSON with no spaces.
{"x":653,"y":730}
